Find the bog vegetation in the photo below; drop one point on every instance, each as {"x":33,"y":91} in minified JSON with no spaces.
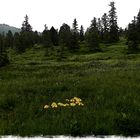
{"x":70,"y":81}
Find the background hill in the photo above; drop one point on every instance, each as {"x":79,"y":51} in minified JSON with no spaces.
{"x":4,"y":28}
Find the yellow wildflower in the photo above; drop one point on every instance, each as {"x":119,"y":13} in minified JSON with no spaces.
{"x":77,"y":99}
{"x":67,"y":100}
{"x":72,"y":100}
{"x":66,"y":104}
{"x":80,"y":104}
{"x":61,"y":104}
{"x":72,"y":104}
{"x":46,"y":106}
{"x":54,"y":105}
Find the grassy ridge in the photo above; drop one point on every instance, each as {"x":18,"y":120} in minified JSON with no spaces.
{"x":108,"y":83}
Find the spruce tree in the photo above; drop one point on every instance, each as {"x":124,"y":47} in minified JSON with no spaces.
{"x":81,"y":34}
{"x":100,"y":29}
{"x":9,"y":39}
{"x":36,"y":38}
{"x":17,"y":43}
{"x":54,"y":36}
{"x":92,"y":36}
{"x":3,"y":55}
{"x":132,"y":35}
{"x":26,"y":27}
{"x":113,"y":27}
{"x":26,"y":34}
{"x":75,"y":36}
{"x":65,"y":36}
{"x":105,"y":24}
{"x":46,"y":38}
{"x":138,"y":27}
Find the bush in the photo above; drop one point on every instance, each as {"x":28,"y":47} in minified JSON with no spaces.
{"x":3,"y":59}
{"x":132,"y":45}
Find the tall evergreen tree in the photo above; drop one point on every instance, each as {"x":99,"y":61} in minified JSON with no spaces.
{"x":36,"y":38}
{"x":65,"y":35}
{"x":100,"y":29}
{"x":75,"y":26}
{"x":92,"y":35}
{"x":54,"y":36}
{"x":75,"y":36}
{"x":138,"y":26}
{"x":9,"y":39}
{"x":26,"y":34}
{"x":81,"y":34}
{"x":17,"y":43}
{"x":113,"y":30}
{"x":3,"y":55}
{"x":105,"y":24}
{"x":26,"y":27}
{"x":132,"y":35}
{"x":46,"y":38}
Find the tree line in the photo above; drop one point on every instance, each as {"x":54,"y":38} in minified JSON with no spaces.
{"x":102,"y":30}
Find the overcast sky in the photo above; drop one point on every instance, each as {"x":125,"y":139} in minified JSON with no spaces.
{"x":56,"y":12}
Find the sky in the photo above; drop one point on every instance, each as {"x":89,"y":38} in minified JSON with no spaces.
{"x":56,"y":12}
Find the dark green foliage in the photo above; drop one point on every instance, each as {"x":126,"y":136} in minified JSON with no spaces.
{"x":92,"y":36}
{"x":127,"y":121}
{"x":25,"y":38}
{"x":54,"y":36}
{"x":36,"y":38}
{"x":133,"y":33}
{"x":105,"y":30}
{"x":65,"y":35}
{"x":100,"y":29}
{"x":113,"y":27}
{"x":26,"y":35}
{"x":46,"y":38}
{"x":3,"y":55}
{"x":138,"y":26}
{"x":9,"y":40}
{"x":75,"y":36}
{"x":81,"y":33}
{"x":17,"y":43}
{"x":3,"y":59}
{"x":26,"y":27}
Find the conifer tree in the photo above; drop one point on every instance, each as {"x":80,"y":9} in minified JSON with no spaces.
{"x":75,"y":36}
{"x":54,"y":36}
{"x":65,"y":35}
{"x":113,"y":27}
{"x":105,"y":24}
{"x":9,"y":39}
{"x":36,"y":38}
{"x":46,"y":38}
{"x":81,"y":34}
{"x":3,"y":55}
{"x":100,"y":29}
{"x":132,"y":35}
{"x":92,"y":36}
{"x":26,"y":27}
{"x":26,"y":35}
{"x":138,"y":27}
{"x":17,"y":43}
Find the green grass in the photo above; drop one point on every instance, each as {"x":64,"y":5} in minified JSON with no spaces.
{"x":108,"y":82}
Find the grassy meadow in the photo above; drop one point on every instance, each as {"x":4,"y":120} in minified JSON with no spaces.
{"x":108,"y":82}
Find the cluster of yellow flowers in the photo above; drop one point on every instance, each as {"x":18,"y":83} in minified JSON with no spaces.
{"x":70,"y":102}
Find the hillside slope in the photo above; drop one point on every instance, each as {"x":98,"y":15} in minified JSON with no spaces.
{"x":4,"y":28}
{"x":107,"y":82}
